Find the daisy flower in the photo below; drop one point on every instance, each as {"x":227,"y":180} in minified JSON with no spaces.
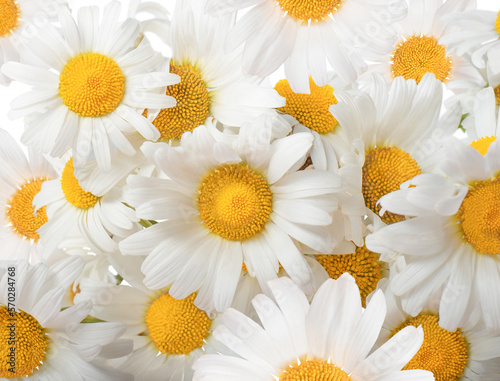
{"x":222,"y":207}
{"x":305,"y":35}
{"x":476,"y":31}
{"x":99,"y":215}
{"x":168,"y":334}
{"x":417,"y":49}
{"x":19,"y":20}
{"x":467,"y":353}
{"x":452,"y":240}
{"x":328,"y":339}
{"x":20,"y":180}
{"x":212,"y":83}
{"x":96,"y":88}
{"x":392,"y":135}
{"x":51,"y":344}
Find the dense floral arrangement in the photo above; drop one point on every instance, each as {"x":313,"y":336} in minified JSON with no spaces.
{"x":181,"y":215}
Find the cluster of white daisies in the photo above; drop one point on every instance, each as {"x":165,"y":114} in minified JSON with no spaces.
{"x":182,"y":215}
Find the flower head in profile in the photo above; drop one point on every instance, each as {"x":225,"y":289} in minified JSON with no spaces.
{"x":99,"y":214}
{"x":331,"y":338}
{"x":20,"y":181}
{"x":91,"y":86}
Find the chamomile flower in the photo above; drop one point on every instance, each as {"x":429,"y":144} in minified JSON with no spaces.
{"x":168,"y":334}
{"x":99,"y":217}
{"x":417,"y":49}
{"x":476,"y":31}
{"x":452,"y":239}
{"x":20,"y":19}
{"x":97,"y":86}
{"x":466,"y":353}
{"x":392,"y":135}
{"x":328,"y":339}
{"x":50,"y":344}
{"x":212,"y":83}
{"x":223,"y":207}
{"x":305,"y":35}
{"x":20,"y":180}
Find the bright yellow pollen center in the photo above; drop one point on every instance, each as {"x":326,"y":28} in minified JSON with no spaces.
{"x":497,"y":23}
{"x":444,"y":353}
{"x":73,"y":192}
{"x":193,"y":104}
{"x":315,"y":10}
{"x":235,"y":202}
{"x":311,"y":110}
{"x":479,"y":216}
{"x":385,"y":169}
{"x":313,"y":370}
{"x":23,"y":343}
{"x":21,"y":213}
{"x":363,"y":265}
{"x":9,"y":17}
{"x":482,"y":144}
{"x":419,"y":55}
{"x":176,"y":327}
{"x":92,"y":85}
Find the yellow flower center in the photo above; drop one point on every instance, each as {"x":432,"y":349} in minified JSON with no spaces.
{"x":479,"y":216}
{"x":235,"y":202}
{"x":23,"y":344}
{"x":311,"y":110}
{"x":482,"y":144}
{"x":363,"y":265}
{"x":313,"y":370}
{"x":193,"y":104}
{"x":73,"y":192}
{"x":497,"y":23}
{"x":92,"y":85}
{"x":176,"y":327}
{"x":385,"y":169}
{"x":21,"y":213}
{"x":444,"y":353}
{"x":315,"y":10}
{"x":419,"y":55}
{"x":9,"y":19}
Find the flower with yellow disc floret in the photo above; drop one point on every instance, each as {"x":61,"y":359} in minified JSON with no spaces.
{"x":459,"y":217}
{"x":328,"y":339}
{"x":96,"y":88}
